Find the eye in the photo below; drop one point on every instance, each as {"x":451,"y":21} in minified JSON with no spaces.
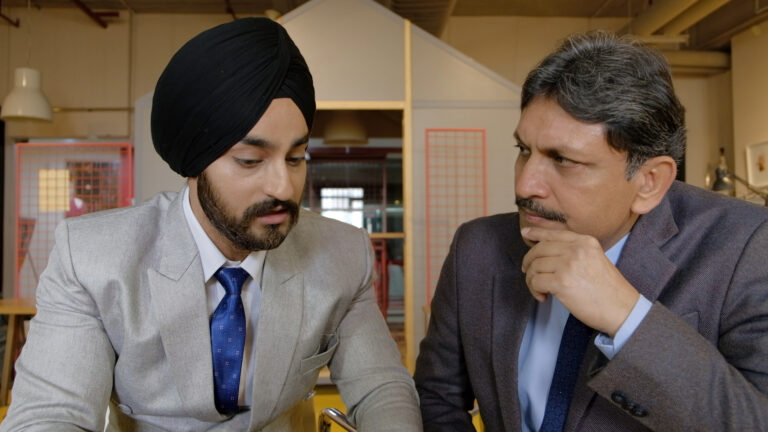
{"x":247,"y":163}
{"x":563,"y":161}
{"x":524,"y":150}
{"x":297,"y":159}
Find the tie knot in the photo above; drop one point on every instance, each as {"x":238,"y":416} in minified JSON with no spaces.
{"x":231,"y":278}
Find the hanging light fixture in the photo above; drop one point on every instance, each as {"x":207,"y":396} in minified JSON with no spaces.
{"x":345,"y":128}
{"x":26,"y":100}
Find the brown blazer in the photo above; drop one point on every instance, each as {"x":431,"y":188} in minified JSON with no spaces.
{"x":698,"y":361}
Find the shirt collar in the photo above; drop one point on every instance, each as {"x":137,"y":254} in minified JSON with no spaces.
{"x":614,"y":253}
{"x":210,"y":256}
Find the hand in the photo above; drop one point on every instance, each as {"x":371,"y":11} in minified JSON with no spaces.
{"x":574,"y":268}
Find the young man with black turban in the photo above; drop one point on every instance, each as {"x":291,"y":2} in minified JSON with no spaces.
{"x":214,"y":308}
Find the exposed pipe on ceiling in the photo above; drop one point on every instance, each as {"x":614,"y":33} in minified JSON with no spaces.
{"x":702,"y":61}
{"x":599,"y":10}
{"x":691,"y":16}
{"x":656,"y":16}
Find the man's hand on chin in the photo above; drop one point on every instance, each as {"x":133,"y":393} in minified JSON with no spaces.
{"x":573,"y":267}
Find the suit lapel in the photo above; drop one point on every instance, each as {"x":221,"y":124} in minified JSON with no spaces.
{"x":180,"y":309}
{"x":642,"y":262}
{"x":280,"y":321}
{"x":648,"y":269}
{"x":512,"y":308}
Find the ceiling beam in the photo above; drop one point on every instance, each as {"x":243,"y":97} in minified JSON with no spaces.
{"x":446,"y":15}
{"x":655,"y":17}
{"x":691,"y":16}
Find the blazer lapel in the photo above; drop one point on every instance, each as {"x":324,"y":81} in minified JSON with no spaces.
{"x":180,"y":310}
{"x":642,"y":262}
{"x":280,"y":321}
{"x":512,"y":308}
{"x":648,"y":269}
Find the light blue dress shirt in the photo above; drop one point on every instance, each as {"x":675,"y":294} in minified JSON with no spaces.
{"x":541,"y":342}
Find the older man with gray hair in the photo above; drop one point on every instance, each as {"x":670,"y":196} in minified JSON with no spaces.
{"x":616,"y":298}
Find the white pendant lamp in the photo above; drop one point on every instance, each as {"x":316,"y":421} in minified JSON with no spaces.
{"x":26,"y":100}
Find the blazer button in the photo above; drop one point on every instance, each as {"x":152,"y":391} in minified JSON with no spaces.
{"x":620,"y":398}
{"x":125,"y":409}
{"x":637,"y":410}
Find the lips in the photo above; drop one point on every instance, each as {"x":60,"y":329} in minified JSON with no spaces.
{"x":274,"y":218}
{"x":534,"y":218}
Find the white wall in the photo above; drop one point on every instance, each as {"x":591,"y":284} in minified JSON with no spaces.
{"x":708,"y":112}
{"x":750,"y":93}
{"x":512,"y":46}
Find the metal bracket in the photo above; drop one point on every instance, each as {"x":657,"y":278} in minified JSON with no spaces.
{"x":10,"y":21}
{"x":230,"y":10}
{"x":96,"y":16}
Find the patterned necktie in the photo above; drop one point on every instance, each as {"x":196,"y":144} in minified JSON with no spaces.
{"x":573,"y":344}
{"x":228,"y":340}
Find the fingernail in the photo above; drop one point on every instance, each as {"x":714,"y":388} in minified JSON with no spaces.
{"x":525,"y":230}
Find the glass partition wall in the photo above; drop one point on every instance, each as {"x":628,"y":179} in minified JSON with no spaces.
{"x":362,"y":184}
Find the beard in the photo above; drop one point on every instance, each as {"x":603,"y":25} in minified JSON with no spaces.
{"x":237,"y":230}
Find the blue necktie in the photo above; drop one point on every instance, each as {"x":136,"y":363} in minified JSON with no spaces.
{"x":573,"y":344}
{"x":228,"y":340}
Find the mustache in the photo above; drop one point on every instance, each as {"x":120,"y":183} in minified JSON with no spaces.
{"x":537,"y":208}
{"x":267,"y":207}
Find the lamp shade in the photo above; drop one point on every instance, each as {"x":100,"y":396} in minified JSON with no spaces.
{"x":345,"y":128}
{"x":26,"y":101}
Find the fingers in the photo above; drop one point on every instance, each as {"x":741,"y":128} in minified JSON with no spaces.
{"x":542,"y":283}
{"x":545,"y":264}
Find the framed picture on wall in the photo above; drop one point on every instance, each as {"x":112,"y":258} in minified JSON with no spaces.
{"x":757,"y":164}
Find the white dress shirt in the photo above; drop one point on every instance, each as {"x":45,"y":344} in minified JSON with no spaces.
{"x":541,"y":343}
{"x":212,"y":259}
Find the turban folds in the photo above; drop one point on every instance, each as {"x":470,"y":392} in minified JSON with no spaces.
{"x":217,"y":87}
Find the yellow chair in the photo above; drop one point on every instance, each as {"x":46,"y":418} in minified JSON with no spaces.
{"x":330,"y":416}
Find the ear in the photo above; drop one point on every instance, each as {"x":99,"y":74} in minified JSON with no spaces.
{"x":653,"y":179}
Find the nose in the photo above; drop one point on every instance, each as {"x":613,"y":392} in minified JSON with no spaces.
{"x":278,"y":184}
{"x":530,"y":177}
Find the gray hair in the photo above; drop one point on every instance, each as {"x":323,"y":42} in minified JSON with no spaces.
{"x":599,"y":77}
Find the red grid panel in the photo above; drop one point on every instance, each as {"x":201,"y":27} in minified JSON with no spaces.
{"x":59,"y":180}
{"x":456,"y":190}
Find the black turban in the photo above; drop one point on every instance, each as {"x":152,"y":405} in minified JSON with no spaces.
{"x":217,"y":87}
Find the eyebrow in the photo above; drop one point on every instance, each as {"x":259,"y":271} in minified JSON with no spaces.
{"x":266,"y":144}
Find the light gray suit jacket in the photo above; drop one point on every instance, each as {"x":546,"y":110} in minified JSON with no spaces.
{"x":122,"y":318}
{"x":697,"y":362}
